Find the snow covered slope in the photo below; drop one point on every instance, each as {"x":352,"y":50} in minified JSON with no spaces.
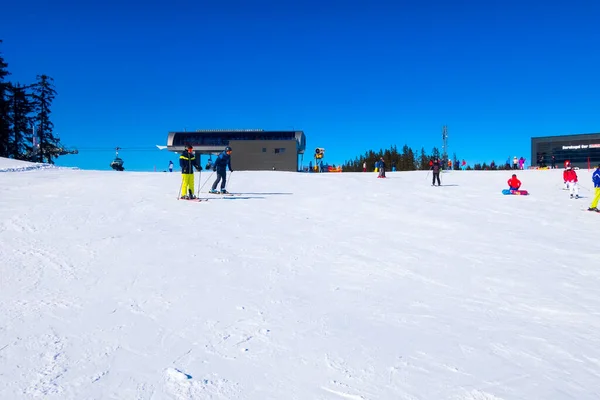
{"x":305,"y":286}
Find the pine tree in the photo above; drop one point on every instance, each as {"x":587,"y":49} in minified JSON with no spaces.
{"x":4,"y":119}
{"x":455,"y":162}
{"x":20,"y":107}
{"x":43,"y":95}
{"x":423,"y":160}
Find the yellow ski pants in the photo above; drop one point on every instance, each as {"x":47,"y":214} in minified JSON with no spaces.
{"x":187,"y":182}
{"x":596,"y":198}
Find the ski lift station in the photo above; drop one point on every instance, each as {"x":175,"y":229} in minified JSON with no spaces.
{"x":253,"y":149}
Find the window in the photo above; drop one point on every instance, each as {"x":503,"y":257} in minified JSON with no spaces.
{"x":264,"y":149}
{"x":280,"y":150}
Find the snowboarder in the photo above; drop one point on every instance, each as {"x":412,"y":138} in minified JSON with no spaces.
{"x":365,"y":166}
{"x":596,"y":180}
{"x":570,"y":178}
{"x":188,"y":161}
{"x":435,"y":169}
{"x":222,"y":162}
{"x":514,"y":183}
{"x":170,"y":166}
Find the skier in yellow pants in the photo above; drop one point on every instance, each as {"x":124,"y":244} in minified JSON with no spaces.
{"x":188,"y":161}
{"x":596,"y":180}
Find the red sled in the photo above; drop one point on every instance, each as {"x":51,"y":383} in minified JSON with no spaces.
{"x":515,"y":192}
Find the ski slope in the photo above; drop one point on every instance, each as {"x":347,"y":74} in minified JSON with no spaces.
{"x":305,"y":286}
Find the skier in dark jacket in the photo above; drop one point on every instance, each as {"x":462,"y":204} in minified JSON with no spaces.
{"x":435,"y":168}
{"x":381,"y":168}
{"x":221,"y":163}
{"x":188,"y":161}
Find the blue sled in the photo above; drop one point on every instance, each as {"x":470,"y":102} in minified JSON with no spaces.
{"x":515,"y":192}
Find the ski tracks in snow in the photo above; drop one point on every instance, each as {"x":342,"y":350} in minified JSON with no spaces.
{"x":52,"y":365}
{"x":179,"y":385}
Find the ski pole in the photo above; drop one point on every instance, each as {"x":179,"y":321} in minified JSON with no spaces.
{"x":228,"y":180}
{"x":207,"y":179}
{"x":199,"y":180}
{"x":180,"y":187}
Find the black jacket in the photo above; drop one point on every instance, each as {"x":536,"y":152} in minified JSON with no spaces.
{"x":188,"y":161}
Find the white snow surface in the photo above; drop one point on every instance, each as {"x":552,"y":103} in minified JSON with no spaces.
{"x":304,"y":286}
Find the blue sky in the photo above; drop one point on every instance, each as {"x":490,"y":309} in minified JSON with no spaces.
{"x":353,"y":75}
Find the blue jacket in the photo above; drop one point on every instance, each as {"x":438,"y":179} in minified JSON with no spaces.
{"x":596,"y":178}
{"x":222,"y":162}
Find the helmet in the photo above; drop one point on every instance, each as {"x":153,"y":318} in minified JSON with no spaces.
{"x":189,"y":146}
{"x":227,"y":148}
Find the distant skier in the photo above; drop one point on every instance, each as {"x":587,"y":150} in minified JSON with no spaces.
{"x":222,"y":162}
{"x":170,"y":166}
{"x":435,"y":169}
{"x":365,"y":166}
{"x":596,"y":180}
{"x":521,"y":163}
{"x":570,"y":178}
{"x":514,"y":183}
{"x":188,"y":161}
{"x":381,"y":168}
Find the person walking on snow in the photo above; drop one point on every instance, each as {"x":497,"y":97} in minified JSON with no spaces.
{"x":381,"y":168}
{"x":514,"y":183}
{"x":222,"y":162}
{"x":188,"y":161}
{"x":596,"y":180}
{"x":365,"y":166}
{"x":435,"y":169}
{"x":170,"y":166}
{"x":570,"y":177}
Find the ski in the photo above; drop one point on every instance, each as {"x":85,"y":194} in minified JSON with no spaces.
{"x":224,"y":194}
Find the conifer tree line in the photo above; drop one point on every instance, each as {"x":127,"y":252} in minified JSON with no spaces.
{"x":410,"y":160}
{"x":405,"y":160}
{"x":26,"y":130}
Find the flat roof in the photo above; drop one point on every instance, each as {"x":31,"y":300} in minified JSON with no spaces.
{"x":578,"y":135}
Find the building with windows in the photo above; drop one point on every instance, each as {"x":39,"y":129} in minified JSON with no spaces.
{"x":253,"y":149}
{"x":581,"y":150}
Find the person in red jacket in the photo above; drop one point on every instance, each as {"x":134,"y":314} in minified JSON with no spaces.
{"x":514,"y":183}
{"x":570,"y":178}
